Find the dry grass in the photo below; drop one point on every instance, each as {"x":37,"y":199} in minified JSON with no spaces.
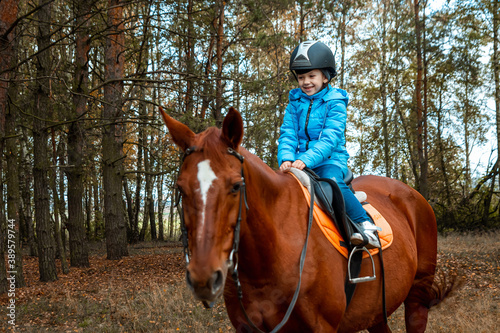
{"x":160,"y":305}
{"x":156,"y":308}
{"x":474,"y":307}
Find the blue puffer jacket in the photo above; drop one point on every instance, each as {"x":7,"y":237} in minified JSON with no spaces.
{"x":313,"y":128}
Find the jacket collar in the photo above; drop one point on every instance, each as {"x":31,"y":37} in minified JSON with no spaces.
{"x":326,"y":94}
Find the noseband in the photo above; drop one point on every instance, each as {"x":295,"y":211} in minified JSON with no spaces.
{"x":233,"y":255}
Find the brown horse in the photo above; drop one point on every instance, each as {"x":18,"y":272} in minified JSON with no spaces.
{"x":273,"y":232}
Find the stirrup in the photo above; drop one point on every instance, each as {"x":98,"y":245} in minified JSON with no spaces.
{"x":363,"y":278}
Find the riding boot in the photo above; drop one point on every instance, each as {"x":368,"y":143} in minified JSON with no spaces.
{"x":370,"y":239}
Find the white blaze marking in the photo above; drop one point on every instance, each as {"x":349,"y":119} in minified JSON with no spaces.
{"x":205,"y":177}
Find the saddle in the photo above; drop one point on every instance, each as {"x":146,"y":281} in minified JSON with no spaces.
{"x":329,"y":198}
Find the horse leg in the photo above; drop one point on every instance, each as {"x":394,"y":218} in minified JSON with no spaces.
{"x":415,"y":317}
{"x":380,"y":328}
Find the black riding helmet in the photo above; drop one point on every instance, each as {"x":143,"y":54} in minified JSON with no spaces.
{"x":313,"y":55}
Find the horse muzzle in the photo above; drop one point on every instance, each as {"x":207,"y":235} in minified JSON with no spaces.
{"x":206,"y":286}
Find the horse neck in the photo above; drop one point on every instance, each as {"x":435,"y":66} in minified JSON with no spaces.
{"x":271,"y":221}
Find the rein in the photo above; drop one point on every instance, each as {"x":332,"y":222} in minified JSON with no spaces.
{"x":233,"y":256}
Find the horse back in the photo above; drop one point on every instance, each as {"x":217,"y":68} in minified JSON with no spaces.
{"x":404,"y":208}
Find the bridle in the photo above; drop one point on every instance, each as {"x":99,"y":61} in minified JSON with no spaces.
{"x":233,"y":255}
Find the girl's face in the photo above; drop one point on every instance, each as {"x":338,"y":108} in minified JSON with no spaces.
{"x":311,"y":82}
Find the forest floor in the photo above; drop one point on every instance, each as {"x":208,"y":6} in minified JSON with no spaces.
{"x":146,"y":292}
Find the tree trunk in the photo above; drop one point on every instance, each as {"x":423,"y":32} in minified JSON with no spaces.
{"x":8,"y":15}
{"x":97,"y":207}
{"x":171,"y":215}
{"x":78,"y":246}
{"x":397,"y":103}
{"x":150,"y":216}
{"x":152,"y":219}
{"x":46,"y":245}
{"x":345,"y":8}
{"x":496,"y":73}
{"x":422,"y":184}
{"x":25,"y":184}
{"x":142,"y":234}
{"x":112,"y":141}
{"x":135,"y":233}
{"x":60,"y":248}
{"x":383,"y":93}
{"x":441,"y":147}
{"x":161,"y":204}
{"x":13,"y":192}
{"x":88,"y":211}
{"x":425,"y":123}
{"x":130,"y":213}
{"x":61,"y":155}
{"x":218,"y":82}
{"x":207,"y":85}
{"x":190,"y":60}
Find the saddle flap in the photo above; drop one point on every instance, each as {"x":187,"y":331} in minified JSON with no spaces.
{"x":328,"y":197}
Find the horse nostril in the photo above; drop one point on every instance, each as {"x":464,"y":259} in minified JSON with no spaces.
{"x":217,"y":280}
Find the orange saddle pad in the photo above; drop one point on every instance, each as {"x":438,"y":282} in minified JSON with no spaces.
{"x":333,"y":235}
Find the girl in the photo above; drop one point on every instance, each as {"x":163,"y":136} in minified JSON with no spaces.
{"x":312,"y":133}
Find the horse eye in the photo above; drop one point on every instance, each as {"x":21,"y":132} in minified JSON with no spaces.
{"x":236,"y":188}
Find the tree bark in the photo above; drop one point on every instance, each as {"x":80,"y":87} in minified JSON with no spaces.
{"x":78,"y":247}
{"x":138,"y":186}
{"x":8,"y":16}
{"x":13,"y":190}
{"x":60,"y":248}
{"x":130,"y":214}
{"x":25,"y":184}
{"x":422,"y":181}
{"x":150,"y":216}
{"x":61,"y":155}
{"x":112,"y":141}
{"x":383,"y":93}
{"x":42,"y":112}
{"x":98,"y":219}
{"x":171,"y":215}
{"x":496,"y":73}
{"x":218,"y":82}
{"x":190,"y":60}
{"x":345,"y":8}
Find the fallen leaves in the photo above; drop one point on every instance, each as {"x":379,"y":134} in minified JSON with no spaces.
{"x":133,"y":273}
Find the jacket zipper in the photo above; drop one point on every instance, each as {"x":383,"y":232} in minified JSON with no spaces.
{"x":307,"y":123}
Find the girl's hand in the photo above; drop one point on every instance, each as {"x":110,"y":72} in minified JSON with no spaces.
{"x":285,"y":166}
{"x":298,"y":164}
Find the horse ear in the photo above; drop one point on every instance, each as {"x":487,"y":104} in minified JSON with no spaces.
{"x":181,"y":134}
{"x":232,"y":128}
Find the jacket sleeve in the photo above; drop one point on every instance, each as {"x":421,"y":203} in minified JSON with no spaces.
{"x":288,"y":141}
{"x":331,"y":137}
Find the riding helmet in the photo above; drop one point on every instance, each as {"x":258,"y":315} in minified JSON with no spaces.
{"x":311,"y":55}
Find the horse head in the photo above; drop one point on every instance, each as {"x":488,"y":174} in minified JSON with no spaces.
{"x":210,"y":182}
